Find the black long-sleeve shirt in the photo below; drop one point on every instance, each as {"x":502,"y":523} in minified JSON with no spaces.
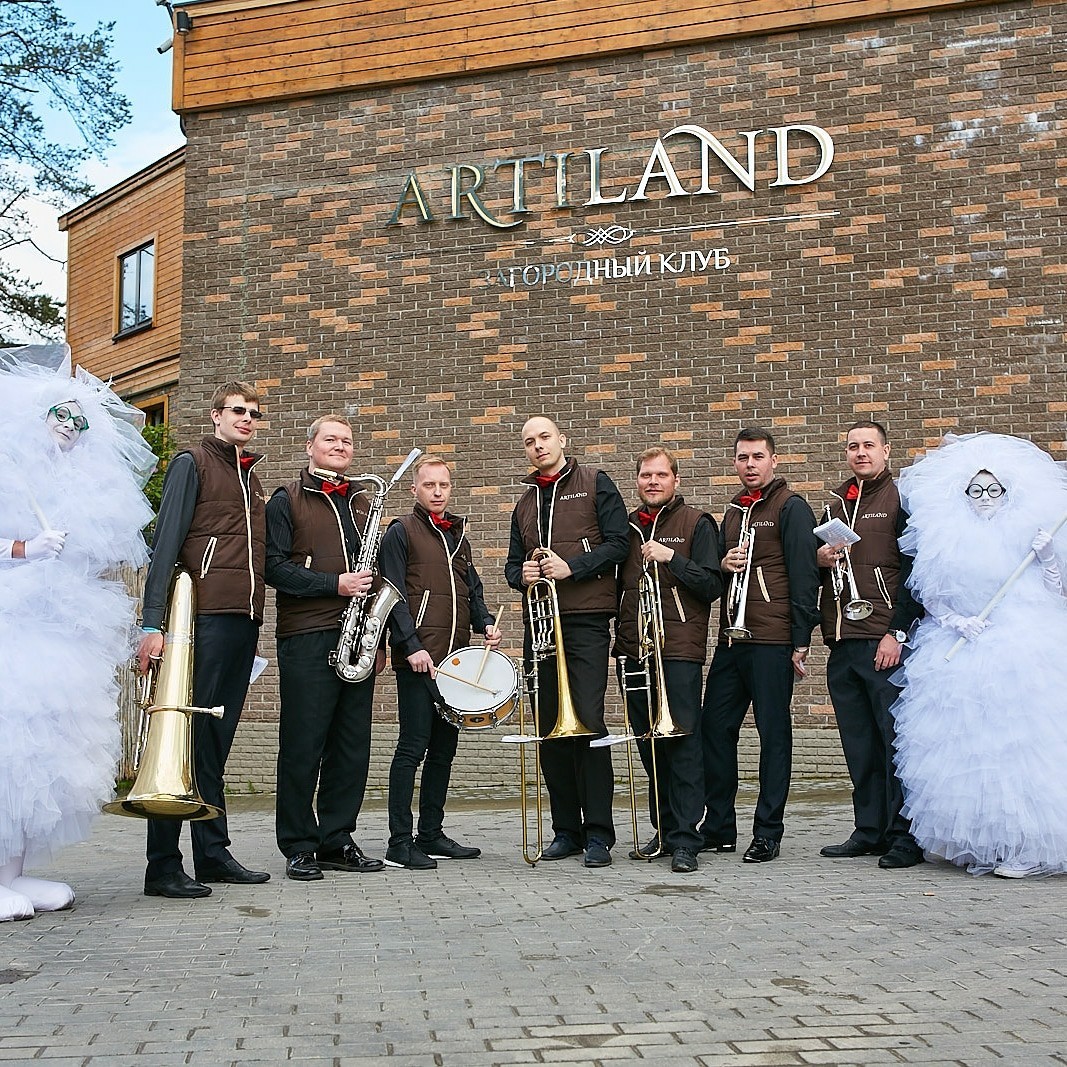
{"x":181,"y":488}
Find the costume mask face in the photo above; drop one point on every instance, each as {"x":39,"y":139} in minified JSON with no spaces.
{"x":986,"y":494}
{"x":66,"y":423}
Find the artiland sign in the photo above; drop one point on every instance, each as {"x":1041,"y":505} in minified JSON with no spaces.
{"x":687,"y":161}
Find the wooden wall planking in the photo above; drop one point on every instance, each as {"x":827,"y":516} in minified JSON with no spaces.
{"x":147,"y":206}
{"x":238,"y":54}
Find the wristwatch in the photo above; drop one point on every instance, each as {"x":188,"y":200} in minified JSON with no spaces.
{"x":900,"y":635}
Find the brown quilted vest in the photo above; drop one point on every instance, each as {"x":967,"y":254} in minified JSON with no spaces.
{"x":225,"y":549}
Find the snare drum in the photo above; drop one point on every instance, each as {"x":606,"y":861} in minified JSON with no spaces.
{"x":492,"y":697}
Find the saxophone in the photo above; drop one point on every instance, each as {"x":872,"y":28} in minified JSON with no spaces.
{"x":362,"y":622}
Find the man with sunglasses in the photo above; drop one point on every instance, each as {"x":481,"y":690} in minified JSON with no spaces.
{"x":865,"y":651}
{"x":212,"y":522}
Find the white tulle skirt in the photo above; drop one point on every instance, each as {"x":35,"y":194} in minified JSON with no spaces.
{"x":62,"y":634}
{"x":982,"y":739}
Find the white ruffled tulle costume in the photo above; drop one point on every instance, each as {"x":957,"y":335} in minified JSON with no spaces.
{"x":982,"y":738}
{"x":65,"y":623}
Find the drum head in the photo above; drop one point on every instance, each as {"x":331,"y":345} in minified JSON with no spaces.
{"x":499,"y":677}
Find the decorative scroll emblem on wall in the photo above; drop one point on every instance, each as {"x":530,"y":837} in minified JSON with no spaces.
{"x":602,"y":235}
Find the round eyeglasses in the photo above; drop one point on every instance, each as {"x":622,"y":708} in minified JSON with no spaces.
{"x":63,"y":414}
{"x":976,"y":491}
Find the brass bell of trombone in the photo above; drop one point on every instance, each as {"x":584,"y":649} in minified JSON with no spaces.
{"x":165,"y":786}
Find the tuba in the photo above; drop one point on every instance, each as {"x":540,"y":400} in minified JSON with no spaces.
{"x":165,"y":786}
{"x":738,"y":596}
{"x":362,"y":622}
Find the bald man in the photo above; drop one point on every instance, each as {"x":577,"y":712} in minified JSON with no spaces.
{"x":570,"y":526}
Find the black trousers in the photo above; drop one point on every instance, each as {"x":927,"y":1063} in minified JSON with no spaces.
{"x":579,"y":779}
{"x":862,"y":698}
{"x":424,"y":735}
{"x":760,"y":675}
{"x":323,"y":739}
{"x":223,"y":649}
{"x":679,"y":760}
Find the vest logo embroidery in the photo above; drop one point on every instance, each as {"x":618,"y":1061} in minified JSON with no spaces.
{"x":876,"y":515}
{"x":571,"y":496}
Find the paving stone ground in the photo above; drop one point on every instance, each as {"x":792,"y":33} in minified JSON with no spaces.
{"x":800,"y":961}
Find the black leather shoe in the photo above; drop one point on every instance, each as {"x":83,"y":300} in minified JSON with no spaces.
{"x":177,"y":884}
{"x":444,"y":848}
{"x":851,"y":847}
{"x":761,"y":850}
{"x":349,"y":858}
{"x":563,"y":845}
{"x":718,"y":846}
{"x":409,"y":855}
{"x":649,"y":850}
{"x":231,"y":872}
{"x":900,"y":856}
{"x":597,"y":853}
{"x":685,"y":861}
{"x":303,"y":868}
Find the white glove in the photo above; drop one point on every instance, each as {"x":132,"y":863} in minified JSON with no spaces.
{"x":46,"y":545}
{"x":1042,"y":546}
{"x":968,"y":627}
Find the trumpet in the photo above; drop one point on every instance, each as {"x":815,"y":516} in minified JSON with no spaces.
{"x":738,"y":596}
{"x":638,"y":679}
{"x":856,"y":608}
{"x":546,"y":640}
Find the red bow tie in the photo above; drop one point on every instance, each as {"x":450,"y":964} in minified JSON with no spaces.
{"x":748,"y":499}
{"x":329,"y":488}
{"x":247,"y":461}
{"x":647,"y":518}
{"x":853,"y":492}
{"x":545,"y":480}
{"x":440,"y":521}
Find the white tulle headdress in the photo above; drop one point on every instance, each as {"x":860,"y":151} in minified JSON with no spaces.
{"x":957,"y":550}
{"x":92,"y":490}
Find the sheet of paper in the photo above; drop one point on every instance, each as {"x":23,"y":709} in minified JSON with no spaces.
{"x":836,"y":532}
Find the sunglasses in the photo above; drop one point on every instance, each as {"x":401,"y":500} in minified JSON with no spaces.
{"x":62,"y":414}
{"x":240,"y":409}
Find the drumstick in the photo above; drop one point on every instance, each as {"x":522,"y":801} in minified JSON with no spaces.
{"x":38,"y":513}
{"x":465,"y":681}
{"x":485,"y":654}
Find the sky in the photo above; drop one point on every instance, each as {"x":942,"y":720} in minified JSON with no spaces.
{"x":145,"y":80}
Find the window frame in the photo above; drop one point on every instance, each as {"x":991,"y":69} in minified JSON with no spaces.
{"x":122,"y":332}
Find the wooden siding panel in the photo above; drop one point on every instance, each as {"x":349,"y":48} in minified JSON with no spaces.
{"x":307,"y":47}
{"x":147,"y":360}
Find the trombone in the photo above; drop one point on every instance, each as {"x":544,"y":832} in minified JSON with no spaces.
{"x":738,"y":596}
{"x":546,"y":640}
{"x":855,"y":608}
{"x":638,"y":679}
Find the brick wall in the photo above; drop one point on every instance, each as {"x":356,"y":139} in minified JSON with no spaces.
{"x":932,"y":299}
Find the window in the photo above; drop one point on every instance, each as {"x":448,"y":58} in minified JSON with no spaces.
{"x":137,"y":271}
{"x":155,"y":409}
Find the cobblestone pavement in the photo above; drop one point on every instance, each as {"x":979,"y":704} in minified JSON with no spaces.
{"x":799,"y":961}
